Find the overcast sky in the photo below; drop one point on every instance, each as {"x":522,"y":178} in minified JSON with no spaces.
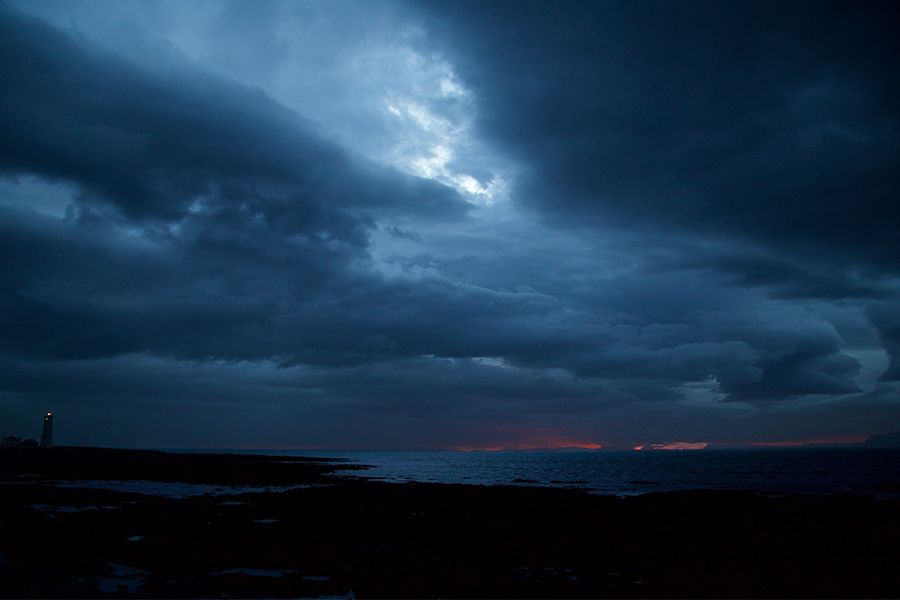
{"x":390,"y":225}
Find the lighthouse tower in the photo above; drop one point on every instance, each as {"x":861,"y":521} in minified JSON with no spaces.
{"x":47,"y":434}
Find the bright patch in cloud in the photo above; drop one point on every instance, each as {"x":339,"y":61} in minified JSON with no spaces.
{"x":431,"y":122}
{"x":35,"y":193}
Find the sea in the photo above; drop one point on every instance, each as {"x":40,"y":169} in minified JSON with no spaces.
{"x":629,"y":472}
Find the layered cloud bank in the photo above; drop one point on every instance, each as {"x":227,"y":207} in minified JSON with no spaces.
{"x":401,"y":225}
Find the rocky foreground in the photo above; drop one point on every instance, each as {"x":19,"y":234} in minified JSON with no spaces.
{"x":343,"y":537}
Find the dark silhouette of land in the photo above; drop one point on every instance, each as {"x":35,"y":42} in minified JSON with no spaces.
{"x":885,"y":440}
{"x":384,"y":540}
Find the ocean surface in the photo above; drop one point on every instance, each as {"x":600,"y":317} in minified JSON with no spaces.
{"x":812,"y":471}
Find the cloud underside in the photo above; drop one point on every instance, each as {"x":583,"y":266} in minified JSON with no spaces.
{"x":700,"y":240}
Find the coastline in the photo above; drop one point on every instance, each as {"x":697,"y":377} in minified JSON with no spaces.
{"x":338,"y":536}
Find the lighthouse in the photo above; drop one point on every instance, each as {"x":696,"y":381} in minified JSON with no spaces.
{"x":47,"y":433}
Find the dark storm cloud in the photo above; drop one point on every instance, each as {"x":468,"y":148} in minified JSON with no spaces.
{"x":151,"y":142}
{"x":219,"y":252}
{"x":797,"y":364}
{"x":241,"y":207}
{"x":887,"y":319}
{"x":790,"y":279}
{"x":774,"y":122}
{"x":257,"y":265}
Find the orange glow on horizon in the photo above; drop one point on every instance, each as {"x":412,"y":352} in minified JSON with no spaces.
{"x":528,"y":446}
{"x":522,"y":437}
{"x":532,"y":441}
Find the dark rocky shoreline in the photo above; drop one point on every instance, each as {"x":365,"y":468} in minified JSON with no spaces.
{"x":344,"y":535}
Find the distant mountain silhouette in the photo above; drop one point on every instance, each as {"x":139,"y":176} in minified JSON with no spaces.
{"x":885,"y":440}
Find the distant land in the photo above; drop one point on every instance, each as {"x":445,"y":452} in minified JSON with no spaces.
{"x":885,"y":440}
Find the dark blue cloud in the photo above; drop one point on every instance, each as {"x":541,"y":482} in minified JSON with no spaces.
{"x":698,"y":239}
{"x":153,"y":142}
{"x":773,"y":123}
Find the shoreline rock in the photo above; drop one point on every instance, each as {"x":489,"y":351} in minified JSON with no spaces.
{"x":403,"y":540}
